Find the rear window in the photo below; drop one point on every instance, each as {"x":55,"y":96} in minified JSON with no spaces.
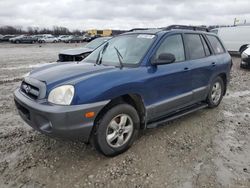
{"x":216,"y":45}
{"x":195,"y":46}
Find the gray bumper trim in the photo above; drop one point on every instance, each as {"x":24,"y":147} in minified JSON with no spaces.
{"x":55,"y":120}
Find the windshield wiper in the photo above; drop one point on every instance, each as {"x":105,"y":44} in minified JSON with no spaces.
{"x":100,"y":54}
{"x":119,"y":55}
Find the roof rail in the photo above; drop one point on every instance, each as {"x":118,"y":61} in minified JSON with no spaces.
{"x":194,"y":28}
{"x":138,"y":29}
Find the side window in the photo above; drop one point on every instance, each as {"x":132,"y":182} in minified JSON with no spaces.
{"x":174,"y":45}
{"x":195,"y":46}
{"x":216,"y":45}
{"x":206,"y":48}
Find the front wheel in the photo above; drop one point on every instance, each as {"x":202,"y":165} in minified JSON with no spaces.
{"x":216,"y":92}
{"x":116,"y":130}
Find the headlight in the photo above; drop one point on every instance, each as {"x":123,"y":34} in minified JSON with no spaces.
{"x":62,"y":95}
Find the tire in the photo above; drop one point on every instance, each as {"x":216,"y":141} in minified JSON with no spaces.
{"x":122,"y":135}
{"x":216,"y":92}
{"x":17,"y":41}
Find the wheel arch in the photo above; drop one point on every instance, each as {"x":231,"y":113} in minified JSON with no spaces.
{"x":133,"y":99}
{"x":223,"y":76}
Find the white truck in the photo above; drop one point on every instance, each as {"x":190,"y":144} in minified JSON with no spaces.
{"x":235,"y":38}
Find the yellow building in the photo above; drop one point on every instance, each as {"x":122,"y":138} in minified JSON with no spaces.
{"x":103,"y":33}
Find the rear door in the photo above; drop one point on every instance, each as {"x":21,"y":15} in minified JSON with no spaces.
{"x":202,"y":64}
{"x":170,"y":83}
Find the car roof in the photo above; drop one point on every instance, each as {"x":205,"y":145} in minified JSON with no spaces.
{"x":145,"y":31}
{"x":171,"y":28}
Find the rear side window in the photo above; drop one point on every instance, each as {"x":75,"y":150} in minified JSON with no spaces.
{"x":216,"y":45}
{"x":174,"y":45}
{"x":206,"y":48}
{"x":195,"y":46}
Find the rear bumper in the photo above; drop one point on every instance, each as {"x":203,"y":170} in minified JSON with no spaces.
{"x":58,"y":121}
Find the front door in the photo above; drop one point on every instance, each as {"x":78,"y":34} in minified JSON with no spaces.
{"x":171,"y":83}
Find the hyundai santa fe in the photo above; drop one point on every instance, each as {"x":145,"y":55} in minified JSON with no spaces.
{"x":134,"y":81}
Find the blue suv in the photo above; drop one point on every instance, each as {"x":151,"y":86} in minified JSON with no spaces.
{"x":132,"y":82}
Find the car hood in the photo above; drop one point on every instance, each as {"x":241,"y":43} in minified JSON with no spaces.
{"x":57,"y":73}
{"x":76,"y":51}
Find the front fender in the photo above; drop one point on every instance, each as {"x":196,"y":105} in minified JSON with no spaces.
{"x":111,"y":85}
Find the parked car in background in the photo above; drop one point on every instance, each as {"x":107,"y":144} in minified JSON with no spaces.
{"x":38,"y":36}
{"x":6,"y":38}
{"x":90,"y":38}
{"x":134,"y":81}
{"x":245,"y":58}
{"x":78,"y":54}
{"x":62,"y":37}
{"x":66,"y":38}
{"x":1,"y":36}
{"x":74,"y":39}
{"x":48,"y":39}
{"x":235,"y":38}
{"x":23,"y":39}
{"x":16,"y":37}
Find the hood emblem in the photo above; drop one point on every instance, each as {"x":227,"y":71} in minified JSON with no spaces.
{"x":27,"y":88}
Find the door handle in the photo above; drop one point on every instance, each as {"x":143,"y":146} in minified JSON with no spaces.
{"x":186,"y":69}
{"x":213,"y":64}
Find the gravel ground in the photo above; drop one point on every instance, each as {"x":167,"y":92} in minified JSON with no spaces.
{"x":208,"y":148}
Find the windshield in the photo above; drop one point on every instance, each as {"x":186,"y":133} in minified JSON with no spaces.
{"x":97,"y":42}
{"x":131,"y":49}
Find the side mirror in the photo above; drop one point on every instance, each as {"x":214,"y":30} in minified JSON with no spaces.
{"x":164,"y":58}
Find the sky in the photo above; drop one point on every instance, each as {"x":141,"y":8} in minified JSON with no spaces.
{"x":121,"y":14}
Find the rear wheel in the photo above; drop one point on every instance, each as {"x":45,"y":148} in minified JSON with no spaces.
{"x":116,"y":130}
{"x":216,"y":92}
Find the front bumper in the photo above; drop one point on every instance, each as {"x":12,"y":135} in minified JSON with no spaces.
{"x":55,"y":120}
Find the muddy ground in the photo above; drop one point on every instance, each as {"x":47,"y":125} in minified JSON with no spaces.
{"x":208,"y":148}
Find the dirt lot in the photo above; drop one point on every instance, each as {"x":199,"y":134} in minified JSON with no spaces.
{"x":209,"y":148}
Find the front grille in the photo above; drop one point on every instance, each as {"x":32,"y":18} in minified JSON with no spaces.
{"x":64,"y":58}
{"x":33,"y":88}
{"x":29,"y":90}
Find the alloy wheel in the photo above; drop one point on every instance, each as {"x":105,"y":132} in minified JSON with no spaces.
{"x":119,"y":130}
